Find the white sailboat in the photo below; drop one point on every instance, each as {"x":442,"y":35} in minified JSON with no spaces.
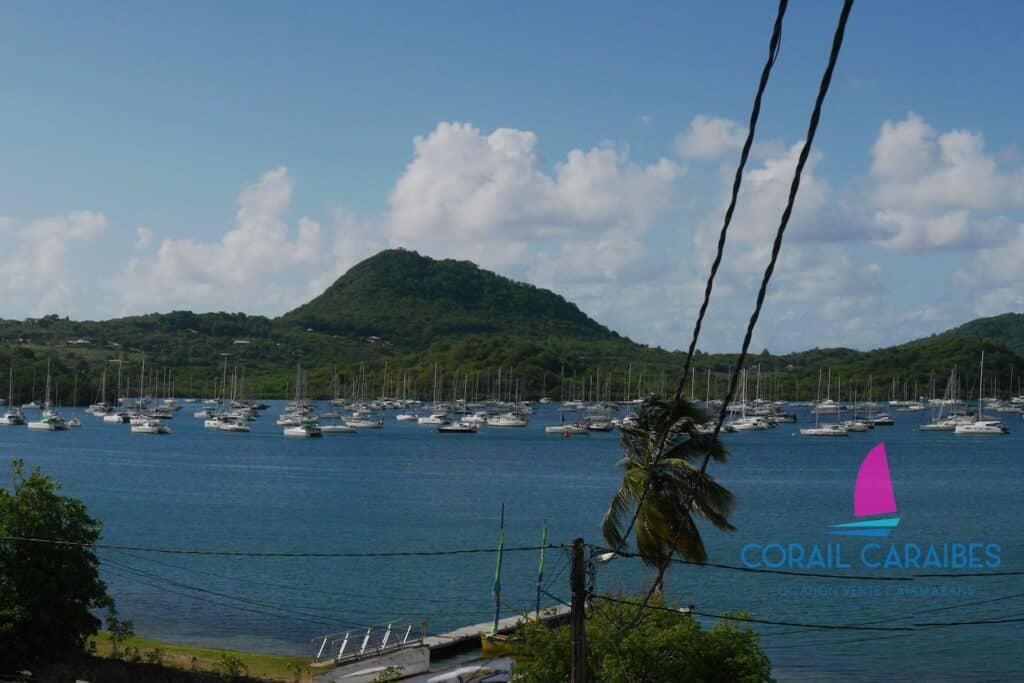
{"x":12,"y":417}
{"x":308,"y":429}
{"x":50,"y":421}
{"x":981,"y":426}
{"x":826,"y":430}
{"x":148,"y":425}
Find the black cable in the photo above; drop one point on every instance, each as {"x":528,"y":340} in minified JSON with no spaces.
{"x":980,"y":575}
{"x":752,"y":620}
{"x":282,"y":554}
{"x":783,"y":572}
{"x":805,"y":151}
{"x":826,"y":80}
{"x":297,"y":589}
{"x":139,"y":576}
{"x":773,"y":53}
{"x":976,"y":622}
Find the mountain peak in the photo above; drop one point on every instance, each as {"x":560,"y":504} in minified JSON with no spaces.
{"x":413,"y":300}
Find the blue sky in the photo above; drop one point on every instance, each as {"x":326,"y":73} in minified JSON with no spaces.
{"x":240,"y":156}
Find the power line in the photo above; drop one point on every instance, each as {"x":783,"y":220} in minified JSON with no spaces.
{"x":979,"y":575}
{"x":974,"y":622}
{"x":142,"y":575}
{"x":279,"y":554}
{"x":750,"y":570}
{"x":751,"y":620}
{"x":305,"y":590}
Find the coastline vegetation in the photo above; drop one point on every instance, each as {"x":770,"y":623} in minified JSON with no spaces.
{"x":400,"y":315}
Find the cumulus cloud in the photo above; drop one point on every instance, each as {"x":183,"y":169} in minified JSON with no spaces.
{"x":143,"y":237}
{"x":37,"y":267}
{"x":259,"y":252}
{"x":994,"y":272}
{"x":709,"y":137}
{"x":487,"y":197}
{"x":466,"y":194}
{"x":938,"y":191}
{"x":756,"y":219}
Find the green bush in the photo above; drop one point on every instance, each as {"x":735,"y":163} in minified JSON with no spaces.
{"x":231,"y":666}
{"x":48,"y":592}
{"x":663,"y":646}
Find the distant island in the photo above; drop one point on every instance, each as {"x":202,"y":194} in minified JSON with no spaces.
{"x":397,"y":318}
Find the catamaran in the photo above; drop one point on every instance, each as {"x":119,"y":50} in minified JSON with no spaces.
{"x":836,"y":429}
{"x":981,"y":426}
{"x":309,"y":428}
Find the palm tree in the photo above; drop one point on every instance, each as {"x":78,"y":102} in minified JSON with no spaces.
{"x":664,"y":476}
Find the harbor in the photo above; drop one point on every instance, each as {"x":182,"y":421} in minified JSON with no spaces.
{"x":407,"y":487}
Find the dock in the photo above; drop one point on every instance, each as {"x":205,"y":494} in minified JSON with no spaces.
{"x":467,"y":638}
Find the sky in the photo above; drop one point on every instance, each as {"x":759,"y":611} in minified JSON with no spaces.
{"x":241,"y":156}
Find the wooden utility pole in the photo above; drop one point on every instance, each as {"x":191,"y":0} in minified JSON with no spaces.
{"x":577,"y":615}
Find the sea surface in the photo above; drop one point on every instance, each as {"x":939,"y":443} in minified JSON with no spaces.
{"x":409,"y":488}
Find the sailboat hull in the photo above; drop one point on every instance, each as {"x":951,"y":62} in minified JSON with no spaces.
{"x":497,"y":644}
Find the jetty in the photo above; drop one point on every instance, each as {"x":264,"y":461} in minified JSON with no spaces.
{"x":360,"y":656}
{"x":465,"y":639}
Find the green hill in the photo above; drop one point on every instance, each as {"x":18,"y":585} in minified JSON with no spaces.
{"x":1006,"y":329}
{"x":414,"y":301}
{"x":406,"y":313}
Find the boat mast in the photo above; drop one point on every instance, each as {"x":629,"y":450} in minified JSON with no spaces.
{"x":540,"y":570}
{"x":981,"y":380}
{"x":497,"y":571}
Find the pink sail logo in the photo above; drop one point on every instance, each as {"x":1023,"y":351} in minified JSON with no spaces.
{"x":873,"y":499}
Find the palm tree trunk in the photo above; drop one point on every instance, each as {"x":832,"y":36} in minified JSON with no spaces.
{"x":658,"y":588}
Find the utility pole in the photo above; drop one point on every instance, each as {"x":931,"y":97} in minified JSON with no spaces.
{"x":577,"y":615}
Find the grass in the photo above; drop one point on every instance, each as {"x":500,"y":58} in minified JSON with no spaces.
{"x":269,"y":667}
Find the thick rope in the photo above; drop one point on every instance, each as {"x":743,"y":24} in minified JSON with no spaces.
{"x":773,"y":53}
{"x":826,"y":80}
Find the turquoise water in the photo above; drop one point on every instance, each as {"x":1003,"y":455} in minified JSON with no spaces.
{"x":407,"y":487}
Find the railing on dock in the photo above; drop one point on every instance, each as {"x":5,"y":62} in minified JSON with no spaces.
{"x":349,"y":646}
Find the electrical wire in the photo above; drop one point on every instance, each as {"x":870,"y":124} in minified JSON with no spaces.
{"x":279,"y":554}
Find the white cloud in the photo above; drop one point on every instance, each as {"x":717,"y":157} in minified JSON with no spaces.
{"x":996,"y":268}
{"x":258,"y":253}
{"x":904,"y":149}
{"x":487,"y":198}
{"x":938,"y":191}
{"x":762,"y":199}
{"x":709,"y":137}
{"x":143,"y":237}
{"x":36,"y":266}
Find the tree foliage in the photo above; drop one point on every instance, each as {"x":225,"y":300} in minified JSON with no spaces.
{"x":664,"y":646}
{"x":411,"y":312}
{"x":663,"y":485}
{"x":47,"y":592}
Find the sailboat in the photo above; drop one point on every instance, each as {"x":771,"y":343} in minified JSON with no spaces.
{"x":12,"y":416}
{"x":818,"y":429}
{"x":493,"y":643}
{"x":74,"y":421}
{"x":981,"y":426}
{"x":50,"y":421}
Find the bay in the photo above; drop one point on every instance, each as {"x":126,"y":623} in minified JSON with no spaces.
{"x":408,"y":488}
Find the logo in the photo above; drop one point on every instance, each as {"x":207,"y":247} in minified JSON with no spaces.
{"x":872,"y":498}
{"x":874,"y":511}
